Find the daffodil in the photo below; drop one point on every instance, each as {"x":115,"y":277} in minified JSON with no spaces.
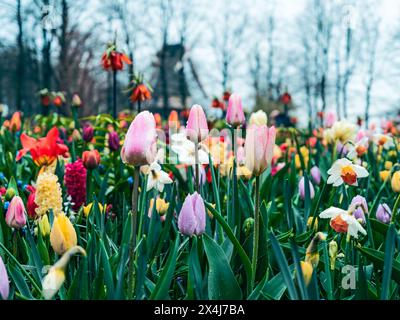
{"x":157,"y":178}
{"x":55,"y":278}
{"x":185,"y":149}
{"x":161,"y":206}
{"x":344,"y":171}
{"x":88,"y":208}
{"x":343,"y":221}
{"x":359,"y":149}
{"x":44,"y":225}
{"x":383,"y":140}
{"x":342,"y":131}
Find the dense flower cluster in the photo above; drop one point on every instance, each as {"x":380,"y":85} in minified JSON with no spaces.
{"x":75,"y":181}
{"x":48,"y":194}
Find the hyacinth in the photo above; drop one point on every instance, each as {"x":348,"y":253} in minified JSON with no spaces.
{"x":75,"y":181}
{"x":48,"y":194}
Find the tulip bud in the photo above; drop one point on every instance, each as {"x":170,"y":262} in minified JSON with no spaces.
{"x":309,"y":223}
{"x":91,"y":159}
{"x":307,"y":270}
{"x":258,"y":118}
{"x":333,"y":249}
{"x":88,"y":133}
{"x":4,"y":282}
{"x":63,"y":234}
{"x":76,"y":135}
{"x":55,"y":278}
{"x":248,"y":226}
{"x":383,"y":213}
{"x":113,"y":141}
{"x":10,"y":193}
{"x":16,"y":214}
{"x":316,"y":175}
{"x":197,"y":128}
{"x":192,"y":218}
{"x":234,"y":115}
{"x":302,"y":189}
{"x":359,"y":207}
{"x":312,"y":254}
{"x":140,"y":145}
{"x":388,"y":165}
{"x":44,"y":225}
{"x":259,"y":146}
{"x":31,"y":204}
{"x":384,"y":175}
{"x":76,"y":101}
{"x":396,"y":182}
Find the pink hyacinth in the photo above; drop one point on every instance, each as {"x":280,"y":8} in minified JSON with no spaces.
{"x":75,"y":180}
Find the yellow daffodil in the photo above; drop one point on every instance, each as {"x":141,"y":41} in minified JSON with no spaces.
{"x":307,"y":270}
{"x":309,"y":222}
{"x":63,"y":234}
{"x":55,"y":278}
{"x":342,"y":131}
{"x":87,"y":209}
{"x":161,"y":206}
{"x":312,"y":254}
{"x":44,"y":225}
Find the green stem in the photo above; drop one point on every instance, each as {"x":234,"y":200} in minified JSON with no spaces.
{"x":88,"y":185}
{"x":235,"y":204}
{"x":135,"y":192}
{"x":196,"y":160}
{"x":256,"y":233}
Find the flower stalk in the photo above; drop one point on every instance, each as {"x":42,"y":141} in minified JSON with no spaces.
{"x":256,"y":232}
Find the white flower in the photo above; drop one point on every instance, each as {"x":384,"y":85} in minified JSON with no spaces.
{"x":358,"y":149}
{"x":344,"y":171}
{"x":383,"y":140}
{"x":343,"y":221}
{"x":341,"y":130}
{"x":185,"y":149}
{"x":157,"y":178}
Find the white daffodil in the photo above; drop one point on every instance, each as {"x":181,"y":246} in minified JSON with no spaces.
{"x":383,"y":140}
{"x":344,"y":171}
{"x":359,"y":149}
{"x":343,"y":221}
{"x":185,"y":149}
{"x":157,"y":178}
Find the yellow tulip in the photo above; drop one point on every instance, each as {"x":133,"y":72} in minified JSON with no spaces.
{"x":161,"y":206}
{"x":388,"y":165}
{"x":44,"y":225}
{"x":307,"y":269}
{"x":63,"y":234}
{"x":396,"y":181}
{"x":55,"y":278}
{"x":87,"y":209}
{"x":384,"y":175}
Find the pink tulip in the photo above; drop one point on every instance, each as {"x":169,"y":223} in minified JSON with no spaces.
{"x":316,"y":175}
{"x":4,"y":282}
{"x":234,"y":114}
{"x":192,"y":218}
{"x":259,"y":148}
{"x":16,"y":213}
{"x":330,"y":119}
{"x":197,"y":128}
{"x":302,"y":189}
{"x":140,"y":145}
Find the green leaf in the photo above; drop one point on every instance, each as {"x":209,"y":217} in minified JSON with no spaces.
{"x":222,"y":283}
{"x":388,"y":262}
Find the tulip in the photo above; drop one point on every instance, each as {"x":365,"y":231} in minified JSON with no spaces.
{"x":140,"y":141}
{"x":44,"y":225}
{"x":88,"y":133}
{"x":234,"y":115}
{"x":16,"y":213}
{"x":197,"y":128}
{"x":396,"y":182}
{"x":192,"y":218}
{"x":76,"y":101}
{"x":384,"y":175}
{"x":4,"y":282}
{"x":307,"y":270}
{"x":330,"y":119}
{"x":91,"y":159}
{"x":63,"y":234}
{"x":302,"y":188}
{"x":258,"y":118}
{"x":383,"y":213}
{"x":113,"y":141}
{"x":315,"y":174}
{"x":15,"y":122}
{"x":359,"y":207}
{"x":259,"y":147}
{"x":55,"y":278}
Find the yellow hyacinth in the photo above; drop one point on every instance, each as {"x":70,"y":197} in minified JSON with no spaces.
{"x":48,"y":194}
{"x":62,"y":235}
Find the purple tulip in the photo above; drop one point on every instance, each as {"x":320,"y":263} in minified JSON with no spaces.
{"x":4,"y":283}
{"x":360,"y":207}
{"x":383,"y":213}
{"x":302,"y":189}
{"x":113,"y":141}
{"x":88,"y":133}
{"x":192,"y":218}
{"x":234,"y":113}
{"x":316,"y":175}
